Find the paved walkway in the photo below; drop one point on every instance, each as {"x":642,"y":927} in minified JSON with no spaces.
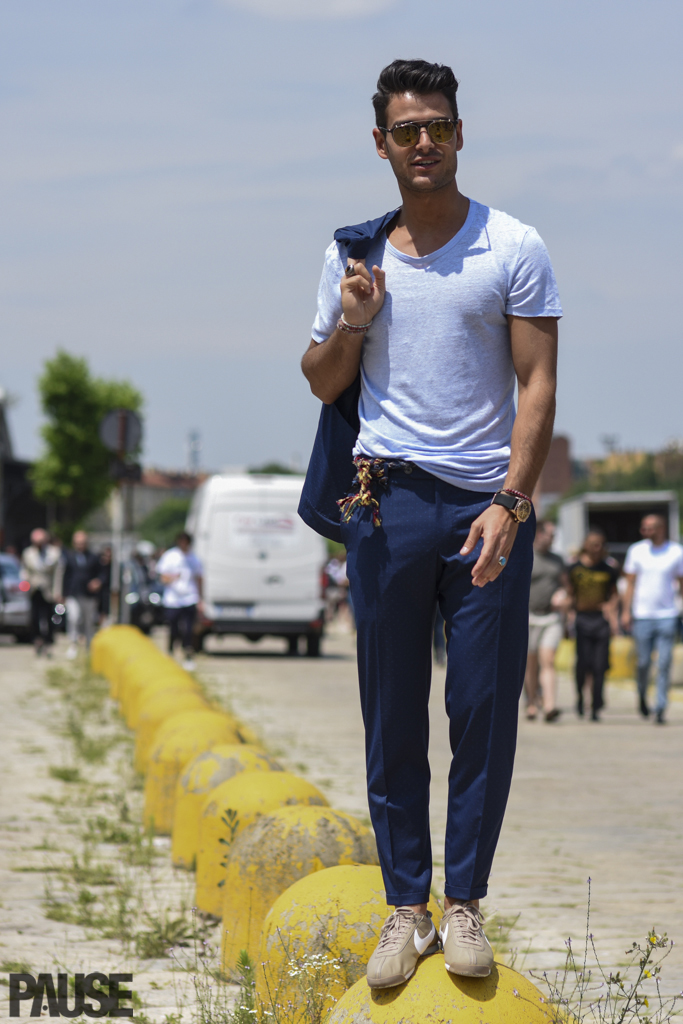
{"x":600,"y":800}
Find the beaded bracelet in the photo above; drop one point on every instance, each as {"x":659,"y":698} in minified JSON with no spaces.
{"x":343,"y":325}
{"x":518,"y":494}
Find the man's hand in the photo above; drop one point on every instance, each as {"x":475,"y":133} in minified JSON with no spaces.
{"x":626,"y":620}
{"x":94,"y":585}
{"x":362,"y":298}
{"x":499,"y":530}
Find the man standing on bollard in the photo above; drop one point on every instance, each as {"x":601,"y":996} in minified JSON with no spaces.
{"x":654,"y":571}
{"x":459,"y":304}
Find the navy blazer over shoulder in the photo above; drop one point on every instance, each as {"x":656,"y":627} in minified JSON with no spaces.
{"x":330,"y":469}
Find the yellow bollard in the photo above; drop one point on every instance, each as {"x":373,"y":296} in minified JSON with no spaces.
{"x":151,"y":670}
{"x":336,"y":915}
{"x":163,"y":683}
{"x":433,"y":996}
{"x":229,"y":809}
{"x":272,"y":854}
{"x":202,"y":775}
{"x":156,"y":710}
{"x":622,"y":658}
{"x":184,"y":736}
{"x":565,"y":656}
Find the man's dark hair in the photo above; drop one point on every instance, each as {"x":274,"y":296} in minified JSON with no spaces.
{"x":416,"y":76}
{"x":183,"y":535}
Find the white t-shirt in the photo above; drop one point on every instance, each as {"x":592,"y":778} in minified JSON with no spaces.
{"x":187,"y":567}
{"x":655,"y":570}
{"x":437,"y":380}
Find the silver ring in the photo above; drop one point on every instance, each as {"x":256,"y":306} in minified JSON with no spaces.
{"x":502,"y":561}
{"x":350,"y":270}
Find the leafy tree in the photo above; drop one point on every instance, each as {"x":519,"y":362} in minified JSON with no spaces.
{"x":72,"y":474}
{"x":165,"y":522}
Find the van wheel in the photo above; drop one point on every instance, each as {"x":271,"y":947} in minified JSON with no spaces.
{"x":313,"y":645}
{"x":293,"y":644}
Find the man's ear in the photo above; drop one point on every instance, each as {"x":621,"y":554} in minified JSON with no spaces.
{"x":380,"y":143}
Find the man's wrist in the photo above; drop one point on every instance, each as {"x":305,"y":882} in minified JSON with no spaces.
{"x":349,"y":327}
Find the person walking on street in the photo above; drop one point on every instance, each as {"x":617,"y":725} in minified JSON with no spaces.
{"x":39,"y":563}
{"x":654,"y":572}
{"x":453,"y":305}
{"x":181,"y":573}
{"x":547,"y":598}
{"x":593,"y":592}
{"x":79,"y":583}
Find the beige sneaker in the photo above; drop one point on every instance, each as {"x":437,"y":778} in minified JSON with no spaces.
{"x":405,"y":937}
{"x":466,"y":949}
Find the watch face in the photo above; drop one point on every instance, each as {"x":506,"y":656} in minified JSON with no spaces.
{"x":523,"y":510}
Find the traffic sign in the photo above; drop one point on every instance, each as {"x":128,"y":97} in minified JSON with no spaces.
{"x":121,"y":431}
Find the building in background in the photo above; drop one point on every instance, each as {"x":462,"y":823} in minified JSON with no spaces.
{"x":556,"y":477}
{"x":20,"y":512}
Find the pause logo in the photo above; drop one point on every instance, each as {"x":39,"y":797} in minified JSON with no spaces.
{"x":102,"y":992}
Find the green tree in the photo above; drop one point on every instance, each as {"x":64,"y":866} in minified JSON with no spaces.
{"x":72,"y":474}
{"x":164,"y":523}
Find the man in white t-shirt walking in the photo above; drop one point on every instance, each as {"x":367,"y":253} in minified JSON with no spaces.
{"x":181,"y":573}
{"x":454,"y":304}
{"x":653,"y":570}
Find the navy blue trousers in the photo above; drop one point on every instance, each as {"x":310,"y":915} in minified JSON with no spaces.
{"x":397,"y":573}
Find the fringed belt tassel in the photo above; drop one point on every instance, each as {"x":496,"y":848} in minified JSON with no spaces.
{"x":367,"y":471}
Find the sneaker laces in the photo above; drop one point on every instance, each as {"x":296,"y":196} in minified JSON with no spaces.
{"x":467,"y":921}
{"x":394,"y":928}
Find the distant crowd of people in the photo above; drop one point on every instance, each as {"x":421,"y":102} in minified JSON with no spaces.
{"x":593,"y":599}
{"x":76,"y":582}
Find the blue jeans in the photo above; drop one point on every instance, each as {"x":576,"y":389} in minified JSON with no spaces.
{"x":398,"y":573}
{"x":659,"y":635}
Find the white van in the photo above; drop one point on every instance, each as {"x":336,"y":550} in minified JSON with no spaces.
{"x":262,"y":564}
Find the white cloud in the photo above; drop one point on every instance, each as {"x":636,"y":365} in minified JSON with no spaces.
{"x":312,"y":9}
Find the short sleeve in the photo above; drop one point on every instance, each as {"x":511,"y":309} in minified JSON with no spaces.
{"x":197,"y":568}
{"x":163,"y":564}
{"x":630,"y":564}
{"x":679,"y":566}
{"x":533,"y":289}
{"x":329,"y":295}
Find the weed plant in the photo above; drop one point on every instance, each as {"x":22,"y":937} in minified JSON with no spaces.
{"x":585,"y":992}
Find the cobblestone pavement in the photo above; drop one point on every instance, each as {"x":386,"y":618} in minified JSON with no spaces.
{"x":601,"y":800}
{"x":589,"y":799}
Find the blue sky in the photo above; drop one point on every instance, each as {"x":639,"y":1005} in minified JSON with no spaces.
{"x":173,"y":171}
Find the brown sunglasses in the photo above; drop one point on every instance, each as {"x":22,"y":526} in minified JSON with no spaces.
{"x":440,"y":130}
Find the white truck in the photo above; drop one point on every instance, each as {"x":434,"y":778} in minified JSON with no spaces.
{"x":262,"y":565}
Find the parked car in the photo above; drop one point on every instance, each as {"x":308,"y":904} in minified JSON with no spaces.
{"x":262,"y":564}
{"x":15,"y":603}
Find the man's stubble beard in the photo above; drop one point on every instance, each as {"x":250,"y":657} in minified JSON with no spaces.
{"x":410,"y":185}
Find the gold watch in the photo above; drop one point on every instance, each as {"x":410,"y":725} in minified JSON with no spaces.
{"x":519,"y":508}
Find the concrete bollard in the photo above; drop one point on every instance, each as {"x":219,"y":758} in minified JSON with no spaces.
{"x":153,"y":671}
{"x":229,"y":809}
{"x":157,"y":709}
{"x":180,"y":739}
{"x":272,"y":854}
{"x":433,"y":996}
{"x":203,"y":774}
{"x":321,"y":933}
{"x":159,"y":682}
{"x":622,"y":658}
